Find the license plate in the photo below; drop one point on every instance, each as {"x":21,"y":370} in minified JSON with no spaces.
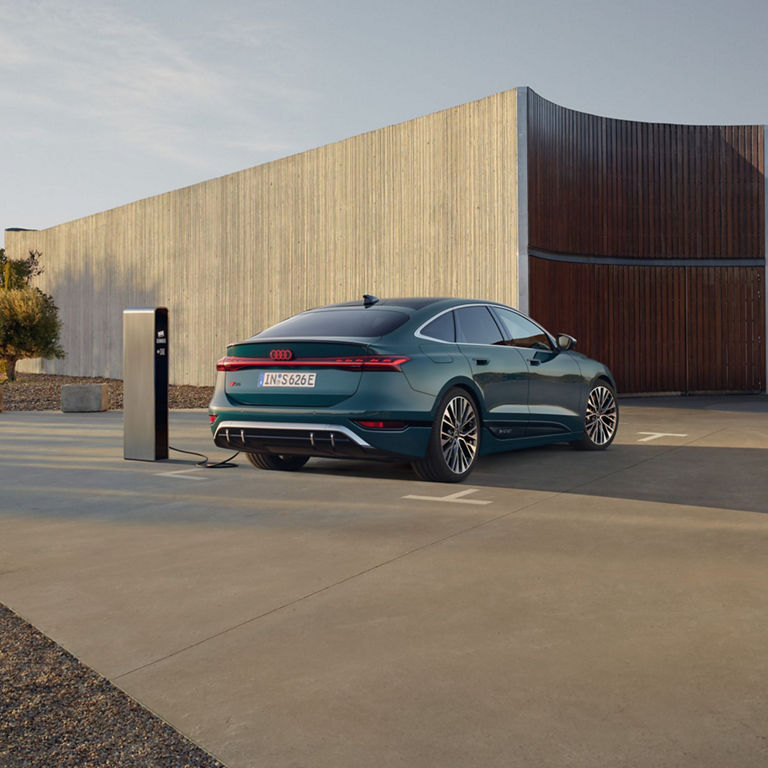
{"x":286,"y":379}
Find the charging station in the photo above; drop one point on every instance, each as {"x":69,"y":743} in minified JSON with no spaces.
{"x":145,"y":383}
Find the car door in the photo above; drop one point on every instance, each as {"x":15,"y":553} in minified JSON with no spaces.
{"x":500,"y":371}
{"x":556,"y":385}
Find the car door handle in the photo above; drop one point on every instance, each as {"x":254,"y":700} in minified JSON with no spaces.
{"x":481,"y":361}
{"x":534,"y":361}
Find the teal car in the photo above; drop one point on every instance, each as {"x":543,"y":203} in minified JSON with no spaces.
{"x":434,"y":381}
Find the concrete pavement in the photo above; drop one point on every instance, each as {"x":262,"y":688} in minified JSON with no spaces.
{"x":598,"y":609}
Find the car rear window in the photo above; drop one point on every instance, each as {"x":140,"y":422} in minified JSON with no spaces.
{"x":358,"y":323}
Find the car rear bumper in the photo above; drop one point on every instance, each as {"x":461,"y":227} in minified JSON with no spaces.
{"x":302,"y":439}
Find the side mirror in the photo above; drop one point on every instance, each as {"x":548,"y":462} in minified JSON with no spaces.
{"x":565,"y":342}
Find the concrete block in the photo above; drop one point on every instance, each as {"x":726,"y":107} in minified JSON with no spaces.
{"x":84,"y":398}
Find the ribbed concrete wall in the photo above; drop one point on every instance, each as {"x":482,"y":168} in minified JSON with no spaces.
{"x":423,"y":208}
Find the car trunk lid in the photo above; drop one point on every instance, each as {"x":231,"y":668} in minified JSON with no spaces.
{"x":293,"y":373}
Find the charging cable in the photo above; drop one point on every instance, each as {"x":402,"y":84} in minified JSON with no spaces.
{"x":206,"y":463}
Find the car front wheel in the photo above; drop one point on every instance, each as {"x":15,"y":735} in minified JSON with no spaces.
{"x":454,"y":442}
{"x":601,"y":418}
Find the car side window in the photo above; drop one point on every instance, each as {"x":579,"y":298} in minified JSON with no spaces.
{"x":475,"y":325}
{"x":441,"y":328}
{"x":521,"y":332}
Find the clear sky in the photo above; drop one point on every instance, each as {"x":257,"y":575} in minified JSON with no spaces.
{"x":104,"y":102}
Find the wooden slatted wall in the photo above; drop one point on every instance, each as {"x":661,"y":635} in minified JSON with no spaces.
{"x":659,"y":329}
{"x":604,"y":187}
{"x":616,"y":189}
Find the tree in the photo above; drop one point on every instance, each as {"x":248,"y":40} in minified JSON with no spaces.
{"x":18,"y":273}
{"x":29,"y":319}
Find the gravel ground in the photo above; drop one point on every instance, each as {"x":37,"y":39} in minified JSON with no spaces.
{"x":42,"y":392}
{"x":57,"y":713}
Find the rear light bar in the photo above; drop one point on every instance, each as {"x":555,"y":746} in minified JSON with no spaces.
{"x":361,"y":363}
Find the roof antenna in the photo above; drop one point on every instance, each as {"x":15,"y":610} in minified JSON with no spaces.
{"x":368,"y":300}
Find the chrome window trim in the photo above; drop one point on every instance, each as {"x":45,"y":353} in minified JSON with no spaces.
{"x":418,"y":332}
{"x":419,"y":335}
{"x":298,"y":426}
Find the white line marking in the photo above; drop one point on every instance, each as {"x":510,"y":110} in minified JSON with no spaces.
{"x":454,"y":498}
{"x":657,"y":435}
{"x":181,"y":474}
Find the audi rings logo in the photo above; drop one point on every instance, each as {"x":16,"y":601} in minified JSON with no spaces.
{"x":281,"y":354}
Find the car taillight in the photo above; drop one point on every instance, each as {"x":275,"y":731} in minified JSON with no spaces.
{"x":359,"y":363}
{"x":237,"y":363}
{"x":212,"y":417}
{"x":371,"y":362}
{"x":374,"y":424}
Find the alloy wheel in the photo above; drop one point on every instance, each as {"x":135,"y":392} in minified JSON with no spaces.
{"x":458,"y":434}
{"x":602,"y":416}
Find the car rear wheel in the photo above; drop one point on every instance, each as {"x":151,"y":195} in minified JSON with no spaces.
{"x":282,"y":461}
{"x":601,"y":418}
{"x":455,"y":439}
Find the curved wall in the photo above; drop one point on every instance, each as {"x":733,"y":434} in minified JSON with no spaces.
{"x":647,"y":242}
{"x":604,"y":187}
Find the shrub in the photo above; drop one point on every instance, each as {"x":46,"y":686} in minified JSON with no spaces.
{"x":29,"y":327}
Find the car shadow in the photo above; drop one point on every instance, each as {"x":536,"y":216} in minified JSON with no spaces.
{"x":716,"y":477}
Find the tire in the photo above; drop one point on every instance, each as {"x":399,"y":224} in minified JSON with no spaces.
{"x":285,"y":462}
{"x":454,"y":442}
{"x":601,"y":418}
